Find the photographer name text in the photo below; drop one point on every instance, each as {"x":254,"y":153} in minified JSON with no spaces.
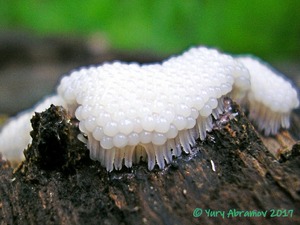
{"x":231,"y":213}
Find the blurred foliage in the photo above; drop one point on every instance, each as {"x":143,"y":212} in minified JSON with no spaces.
{"x":268,"y":28}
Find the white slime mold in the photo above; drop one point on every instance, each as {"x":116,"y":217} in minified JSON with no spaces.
{"x":132,"y":112}
{"x":271,"y":97}
{"x":15,"y":135}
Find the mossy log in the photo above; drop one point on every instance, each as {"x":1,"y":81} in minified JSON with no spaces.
{"x":232,"y":170}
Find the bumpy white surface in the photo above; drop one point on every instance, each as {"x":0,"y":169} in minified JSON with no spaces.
{"x":157,"y":107}
{"x":130,"y":112}
{"x":15,"y":135}
{"x":271,"y":97}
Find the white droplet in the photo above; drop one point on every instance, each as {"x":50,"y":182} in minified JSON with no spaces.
{"x":179,"y":122}
{"x":98,"y":133}
{"x":158,"y":138}
{"x":120,"y":140}
{"x":145,"y":137}
{"x":111,"y":129}
{"x":106,"y":142}
{"x":126,"y":126}
{"x":206,"y":110}
{"x":148,"y":123}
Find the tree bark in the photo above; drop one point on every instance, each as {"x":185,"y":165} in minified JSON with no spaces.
{"x":231,"y":171}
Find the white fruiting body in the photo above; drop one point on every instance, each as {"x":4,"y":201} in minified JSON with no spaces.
{"x":271,"y":97}
{"x":154,"y":108}
{"x":151,"y":112}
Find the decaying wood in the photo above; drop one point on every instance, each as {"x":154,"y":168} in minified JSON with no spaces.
{"x":231,"y":170}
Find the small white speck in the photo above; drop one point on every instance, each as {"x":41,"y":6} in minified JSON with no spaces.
{"x":213,"y":165}
{"x":81,"y":138}
{"x":233,"y":115}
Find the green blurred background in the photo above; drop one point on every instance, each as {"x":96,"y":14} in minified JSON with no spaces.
{"x":267,"y":28}
{"x":40,"y":40}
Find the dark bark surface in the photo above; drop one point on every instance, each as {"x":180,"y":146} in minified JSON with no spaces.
{"x":231,"y":170}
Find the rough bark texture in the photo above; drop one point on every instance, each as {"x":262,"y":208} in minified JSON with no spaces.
{"x":231,"y":170}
